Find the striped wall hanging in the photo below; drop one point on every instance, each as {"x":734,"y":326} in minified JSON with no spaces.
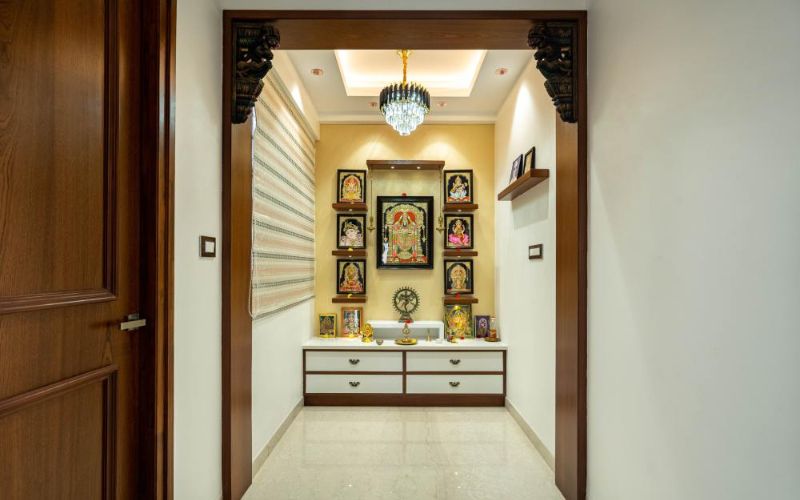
{"x":283,"y":202}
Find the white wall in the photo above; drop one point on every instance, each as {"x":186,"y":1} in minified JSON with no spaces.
{"x":525,"y":289}
{"x":694,"y":276}
{"x":198,"y":296}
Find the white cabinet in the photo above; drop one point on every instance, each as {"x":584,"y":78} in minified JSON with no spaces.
{"x":354,"y":384}
{"x":353,"y":361}
{"x":454,"y":384}
{"x":449,"y":361}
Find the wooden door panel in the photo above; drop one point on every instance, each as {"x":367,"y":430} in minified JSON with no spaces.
{"x":58,"y":143}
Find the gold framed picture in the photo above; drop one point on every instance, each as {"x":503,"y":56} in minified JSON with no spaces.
{"x":352,"y":186}
{"x":458,"y":320}
{"x":352,"y":321}
{"x":327,"y":325}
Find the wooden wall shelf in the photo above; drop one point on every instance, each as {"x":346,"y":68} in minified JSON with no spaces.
{"x":524,"y":183}
{"x":460,"y":253}
{"x":361,"y":252}
{"x":460,"y":207}
{"x":405,"y":165}
{"x":344,"y":299}
{"x":350,"y":207}
{"x":464,"y":299}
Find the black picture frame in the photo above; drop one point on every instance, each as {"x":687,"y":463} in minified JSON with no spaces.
{"x":341,"y":265}
{"x":516,"y":165}
{"x":529,"y":163}
{"x":343,"y":174}
{"x":449,"y":179}
{"x":386,"y":203}
{"x":358,"y":219}
{"x":469,"y":231}
{"x":469,"y":267}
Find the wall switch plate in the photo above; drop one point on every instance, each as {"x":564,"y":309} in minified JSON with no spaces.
{"x":208,"y":246}
{"x":536,"y":251}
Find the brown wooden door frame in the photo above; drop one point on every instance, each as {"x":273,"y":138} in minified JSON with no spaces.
{"x":391,"y":30}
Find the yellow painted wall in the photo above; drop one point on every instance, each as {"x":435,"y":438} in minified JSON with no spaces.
{"x":461,"y":147}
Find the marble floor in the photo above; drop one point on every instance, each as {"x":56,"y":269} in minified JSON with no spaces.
{"x":404,"y":453}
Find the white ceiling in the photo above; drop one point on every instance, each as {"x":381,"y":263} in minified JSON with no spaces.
{"x":483,"y":89}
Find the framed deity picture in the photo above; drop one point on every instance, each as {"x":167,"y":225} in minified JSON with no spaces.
{"x":352,"y":320}
{"x":516,"y":169}
{"x":458,"y":186}
{"x":352,"y":186}
{"x":482,"y":325}
{"x":351,"y":276}
{"x":327,"y":325}
{"x":458,"y":320}
{"x":405,"y":237}
{"x":529,"y":163}
{"x":350,"y":230}
{"x":458,"y":277}
{"x":459,"y":231}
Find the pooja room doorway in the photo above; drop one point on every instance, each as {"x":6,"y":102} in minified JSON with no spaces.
{"x":407,"y":251}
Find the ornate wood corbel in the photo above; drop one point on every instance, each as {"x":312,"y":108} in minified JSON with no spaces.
{"x":253,"y":44}
{"x":556,"y":45}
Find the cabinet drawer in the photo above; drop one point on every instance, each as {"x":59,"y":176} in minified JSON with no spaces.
{"x":454,"y":384}
{"x":472,"y":361}
{"x":355,"y":384}
{"x":353,"y":361}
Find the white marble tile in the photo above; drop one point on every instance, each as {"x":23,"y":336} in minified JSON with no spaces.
{"x":359,"y":453}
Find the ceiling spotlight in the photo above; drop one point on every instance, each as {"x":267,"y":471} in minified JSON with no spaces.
{"x":441,"y":104}
{"x":317,"y":72}
{"x":501,"y":71}
{"x":373,"y":104}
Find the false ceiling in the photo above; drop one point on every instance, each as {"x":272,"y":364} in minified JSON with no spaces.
{"x":466,"y":86}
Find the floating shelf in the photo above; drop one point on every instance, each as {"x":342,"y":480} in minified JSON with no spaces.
{"x":405,"y":165}
{"x":524,"y":183}
{"x":464,"y":299}
{"x":460,"y":207}
{"x":361,"y":252}
{"x":344,"y":299}
{"x":350,"y":207}
{"x":460,"y":253}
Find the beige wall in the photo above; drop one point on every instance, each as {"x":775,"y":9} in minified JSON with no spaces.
{"x":461,"y":147}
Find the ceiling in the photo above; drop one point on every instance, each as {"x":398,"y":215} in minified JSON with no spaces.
{"x":465,"y":85}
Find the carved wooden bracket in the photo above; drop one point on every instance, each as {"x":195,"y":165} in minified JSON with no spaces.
{"x":556,"y":45}
{"x":253,"y":44}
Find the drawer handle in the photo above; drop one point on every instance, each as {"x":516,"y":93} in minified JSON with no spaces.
{"x":455,"y":361}
{"x":454,"y":384}
{"x":354,"y":384}
{"x":354,"y":361}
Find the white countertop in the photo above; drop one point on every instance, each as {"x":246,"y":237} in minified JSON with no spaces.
{"x":422,"y":345}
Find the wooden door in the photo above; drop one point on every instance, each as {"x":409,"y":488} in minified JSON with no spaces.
{"x":70,"y":424}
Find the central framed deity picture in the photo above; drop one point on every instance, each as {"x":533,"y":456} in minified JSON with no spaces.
{"x":405,"y":238}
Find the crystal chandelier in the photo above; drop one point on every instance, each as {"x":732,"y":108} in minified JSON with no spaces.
{"x":404,"y":105}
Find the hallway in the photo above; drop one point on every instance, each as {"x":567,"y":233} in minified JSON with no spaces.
{"x":404,"y":453}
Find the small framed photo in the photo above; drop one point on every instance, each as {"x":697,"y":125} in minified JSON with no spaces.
{"x":516,"y":167}
{"x":458,"y":186}
{"x":529,"y":163}
{"x":352,"y":186}
{"x":482,"y":325}
{"x":352,"y":321}
{"x":458,"y":320}
{"x":458,"y":277}
{"x":459,"y":231}
{"x":327,"y":325}
{"x":351,"y":276}
{"x":350,"y":230}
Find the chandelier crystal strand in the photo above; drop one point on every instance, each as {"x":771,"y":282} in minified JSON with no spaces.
{"x":404,"y":105}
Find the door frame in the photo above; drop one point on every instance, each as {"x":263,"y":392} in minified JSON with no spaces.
{"x":389,"y":29}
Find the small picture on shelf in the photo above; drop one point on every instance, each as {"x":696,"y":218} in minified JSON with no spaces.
{"x":482,"y":325}
{"x":352,"y":186}
{"x":350,"y":233}
{"x":459,"y":231}
{"x":458,"y":277}
{"x":530,"y":161}
{"x":351,"y":276}
{"x":327,"y":325}
{"x":458,"y":320}
{"x":458,"y":186}
{"x":352,"y":318}
{"x":516,"y":167}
